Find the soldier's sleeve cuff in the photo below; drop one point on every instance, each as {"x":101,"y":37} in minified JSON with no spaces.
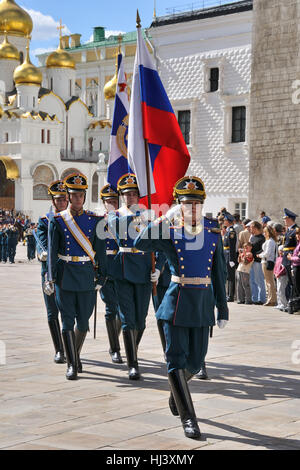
{"x":223,"y":314}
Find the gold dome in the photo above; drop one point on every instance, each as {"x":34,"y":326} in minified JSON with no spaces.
{"x":8,"y":51}
{"x":14,"y":19}
{"x":1,"y":111}
{"x":60,"y":59}
{"x":110,"y":88}
{"x":27,"y":73}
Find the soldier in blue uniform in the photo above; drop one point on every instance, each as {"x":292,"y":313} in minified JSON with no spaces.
{"x":58,"y":193}
{"x":4,"y":249}
{"x":108,"y":293}
{"x":290,"y":243}
{"x":133,"y":273}
{"x":2,"y":235}
{"x":78,"y":263}
{"x":12,"y":242}
{"x":194,"y":249}
{"x":31,"y":244}
{"x":230,"y":252}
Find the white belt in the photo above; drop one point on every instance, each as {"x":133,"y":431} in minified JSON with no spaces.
{"x":191,"y":280}
{"x":111,"y":252}
{"x":129,"y":250}
{"x":75,"y":259}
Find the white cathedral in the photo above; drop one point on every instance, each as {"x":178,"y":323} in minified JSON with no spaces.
{"x":56,"y":118}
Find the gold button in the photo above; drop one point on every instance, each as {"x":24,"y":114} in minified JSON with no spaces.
{"x":208,"y":269}
{"x":179,"y":250}
{"x":214,"y":244}
{"x":182,"y":267}
{"x":209,"y":260}
{"x":211,"y":252}
{"x":182,"y":275}
{"x":181,"y":259}
{"x":176,"y":241}
{"x":209,"y":231}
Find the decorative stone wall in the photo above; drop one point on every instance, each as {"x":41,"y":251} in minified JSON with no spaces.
{"x":275,"y":118}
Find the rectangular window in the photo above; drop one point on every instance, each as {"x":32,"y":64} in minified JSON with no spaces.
{"x":214,"y":79}
{"x":241,"y":209}
{"x":6,"y":137}
{"x":238,"y":124}
{"x":48,"y":137}
{"x":51,"y":84}
{"x":43,"y":136}
{"x":184,"y":120}
{"x":70,"y":86}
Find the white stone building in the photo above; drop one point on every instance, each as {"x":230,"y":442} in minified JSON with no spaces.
{"x":50,"y":128}
{"x":204,"y":60}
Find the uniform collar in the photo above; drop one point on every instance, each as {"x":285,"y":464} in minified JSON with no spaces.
{"x":76,"y":213}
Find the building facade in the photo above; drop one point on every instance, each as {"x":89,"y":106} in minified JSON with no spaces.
{"x":275,"y":108}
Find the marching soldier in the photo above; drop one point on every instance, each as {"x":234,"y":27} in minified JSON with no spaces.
{"x":30,"y":242}
{"x":2,"y":235}
{"x":194,"y":251}
{"x":4,"y":248}
{"x":58,"y":193}
{"x":290,"y":243}
{"x":78,"y":268}
{"x":230,"y":252}
{"x":133,"y":271}
{"x":108,"y":293}
{"x":12,"y":242}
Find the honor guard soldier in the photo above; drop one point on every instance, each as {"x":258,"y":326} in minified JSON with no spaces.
{"x":290,"y":243}
{"x":31,"y":244}
{"x":4,"y":248}
{"x":194,"y":249}
{"x":230,"y":252}
{"x":108,"y":293}
{"x":59,"y":196}
{"x":133,"y":273}
{"x":2,"y":238}
{"x":12,"y":242}
{"x":78,"y":267}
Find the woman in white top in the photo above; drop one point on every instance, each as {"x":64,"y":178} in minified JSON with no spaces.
{"x":268,"y":257}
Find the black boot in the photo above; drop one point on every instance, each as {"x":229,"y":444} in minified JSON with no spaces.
{"x":184,"y":404}
{"x":79,"y":340}
{"x":138,"y":337}
{"x":113,"y":337}
{"x":71,"y":353}
{"x":202,"y":374}
{"x":54,"y":328}
{"x":172,"y":404}
{"x":131,"y":354}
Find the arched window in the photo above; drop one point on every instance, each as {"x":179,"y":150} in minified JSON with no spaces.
{"x":40,"y":192}
{"x":95,"y":188}
{"x":68,"y":172}
{"x":43,"y":176}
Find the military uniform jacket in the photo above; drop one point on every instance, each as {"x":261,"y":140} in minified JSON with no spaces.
{"x":12,"y":236}
{"x":3,"y":237}
{"x":165,"y":273}
{"x":74,"y":275}
{"x":230,"y":245}
{"x":290,"y":243}
{"x":199,"y":256}
{"x":135,"y":266}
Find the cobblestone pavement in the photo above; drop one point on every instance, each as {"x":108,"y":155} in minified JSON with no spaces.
{"x":250,"y":402}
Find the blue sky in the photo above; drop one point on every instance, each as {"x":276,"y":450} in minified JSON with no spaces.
{"x":81,"y":16}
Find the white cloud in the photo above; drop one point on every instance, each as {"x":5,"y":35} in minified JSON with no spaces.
{"x":107,"y":34}
{"x":44,"y":26}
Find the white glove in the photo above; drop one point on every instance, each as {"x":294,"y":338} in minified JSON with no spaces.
{"x":174,"y":212}
{"x":231,"y":264}
{"x":44,"y":256}
{"x":222,"y":323}
{"x":155,"y":276}
{"x":48,"y":288}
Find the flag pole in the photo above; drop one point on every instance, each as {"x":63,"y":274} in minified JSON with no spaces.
{"x":154,"y":289}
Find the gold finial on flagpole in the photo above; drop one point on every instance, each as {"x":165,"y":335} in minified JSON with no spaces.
{"x":154,"y":11}
{"x":138,"y":19}
{"x":120,"y":39}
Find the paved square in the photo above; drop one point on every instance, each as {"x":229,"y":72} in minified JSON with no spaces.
{"x":252,"y":400}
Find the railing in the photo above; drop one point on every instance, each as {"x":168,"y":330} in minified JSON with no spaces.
{"x":198,"y":5}
{"x":81,"y":155}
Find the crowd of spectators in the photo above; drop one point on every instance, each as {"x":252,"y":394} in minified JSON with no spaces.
{"x":267,"y":267}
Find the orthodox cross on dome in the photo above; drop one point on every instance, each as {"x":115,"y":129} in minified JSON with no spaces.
{"x":60,"y":29}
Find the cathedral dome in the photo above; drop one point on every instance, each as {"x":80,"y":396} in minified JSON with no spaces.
{"x":110,"y":88}
{"x":27,"y":73}
{"x":60,"y":59}
{"x":14,"y":19}
{"x":8,"y":51}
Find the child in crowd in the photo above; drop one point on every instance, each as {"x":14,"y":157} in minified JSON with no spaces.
{"x":281,"y":281}
{"x":243,"y":274}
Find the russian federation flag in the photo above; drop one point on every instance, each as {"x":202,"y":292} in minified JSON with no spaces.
{"x":118,"y":162}
{"x":152,"y":118}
